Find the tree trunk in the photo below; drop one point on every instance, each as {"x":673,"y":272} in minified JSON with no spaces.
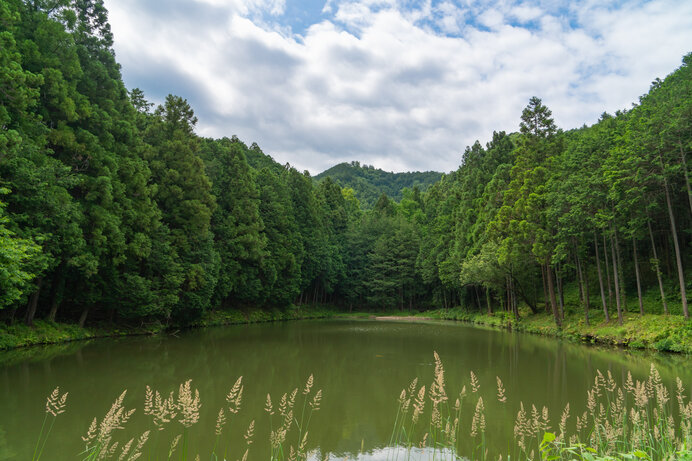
{"x":582,"y":287}
{"x":56,"y":288}
{"x":513,"y":299}
{"x":621,"y":275}
{"x":586,"y":288}
{"x":515,"y":305}
{"x":636,"y":271}
{"x":560,"y":295}
{"x":545,"y":290}
{"x":561,"y":299}
{"x":607,"y":268}
{"x":683,"y":162}
{"x":580,"y":282}
{"x":666,"y":254}
{"x":551,"y":292}
{"x":657,"y":268}
{"x":83,"y":317}
{"x":615,"y":278}
{"x":600,"y":280}
{"x":678,"y":258}
{"x":487,"y":300}
{"x":33,"y":303}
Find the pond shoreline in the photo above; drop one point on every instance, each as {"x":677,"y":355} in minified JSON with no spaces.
{"x":18,"y":336}
{"x":650,"y":332}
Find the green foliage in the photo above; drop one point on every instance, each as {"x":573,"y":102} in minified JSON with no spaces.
{"x":369,"y":183}
{"x":15,"y":257}
{"x":120,"y":212}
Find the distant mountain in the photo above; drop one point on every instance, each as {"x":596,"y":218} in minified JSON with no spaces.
{"x":369,"y":182}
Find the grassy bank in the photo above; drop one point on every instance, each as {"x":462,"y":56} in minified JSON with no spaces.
{"x":45,"y":332}
{"x":652,"y":331}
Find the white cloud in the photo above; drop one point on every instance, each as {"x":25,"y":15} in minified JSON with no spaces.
{"x":388,"y":85}
{"x":526,"y":13}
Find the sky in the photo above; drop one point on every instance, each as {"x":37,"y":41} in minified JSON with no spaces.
{"x":398,"y":84}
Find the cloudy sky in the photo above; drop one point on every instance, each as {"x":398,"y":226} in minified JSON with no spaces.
{"x":399,"y":84}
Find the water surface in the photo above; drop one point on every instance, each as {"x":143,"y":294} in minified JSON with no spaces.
{"x":361,"y":367}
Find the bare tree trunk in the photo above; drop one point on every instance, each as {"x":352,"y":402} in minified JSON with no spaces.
{"x":620,"y":274}
{"x":56,"y":289}
{"x":657,"y":268}
{"x":586,"y":288}
{"x":600,"y":280}
{"x":582,"y":288}
{"x":683,"y":162}
{"x":666,"y":255}
{"x":636,"y":271}
{"x":33,"y":303}
{"x":678,"y":258}
{"x":615,"y":278}
{"x":83,"y":317}
{"x":54,"y":302}
{"x":551,"y":292}
{"x":487,"y":300}
{"x":545,"y":290}
{"x":607,"y":268}
{"x":580,"y":282}
{"x":560,"y":295}
{"x":513,"y":304}
{"x":561,"y":299}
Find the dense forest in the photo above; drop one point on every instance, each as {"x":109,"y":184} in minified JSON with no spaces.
{"x":368,"y":182}
{"x":115,"y":210}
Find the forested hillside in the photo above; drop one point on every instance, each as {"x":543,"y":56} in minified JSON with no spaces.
{"x":112,"y":209}
{"x":369,"y":183}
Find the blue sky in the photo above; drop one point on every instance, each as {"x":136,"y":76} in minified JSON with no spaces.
{"x":402,"y":85}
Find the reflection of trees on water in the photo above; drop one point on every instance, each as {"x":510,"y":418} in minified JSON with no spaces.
{"x":361,"y":366}
{"x":5,"y":452}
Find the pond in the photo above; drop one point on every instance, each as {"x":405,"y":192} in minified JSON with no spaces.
{"x":360,"y":366}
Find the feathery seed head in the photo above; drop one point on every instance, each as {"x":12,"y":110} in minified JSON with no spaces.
{"x":250,"y":432}
{"x":315,"y":404}
{"x":474,"y":382}
{"x":500,"y":391}
{"x":308,"y":385}
{"x":220,"y":422}
{"x":268,"y":405}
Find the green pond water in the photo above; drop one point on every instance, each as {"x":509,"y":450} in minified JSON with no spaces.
{"x":361,"y":367}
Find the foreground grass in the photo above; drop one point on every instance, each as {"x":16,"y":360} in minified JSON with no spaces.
{"x":623,"y":420}
{"x":44,"y":332}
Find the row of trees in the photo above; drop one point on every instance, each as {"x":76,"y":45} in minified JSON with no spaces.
{"x":369,"y":182}
{"x":607,"y":208}
{"x":113,"y":209}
